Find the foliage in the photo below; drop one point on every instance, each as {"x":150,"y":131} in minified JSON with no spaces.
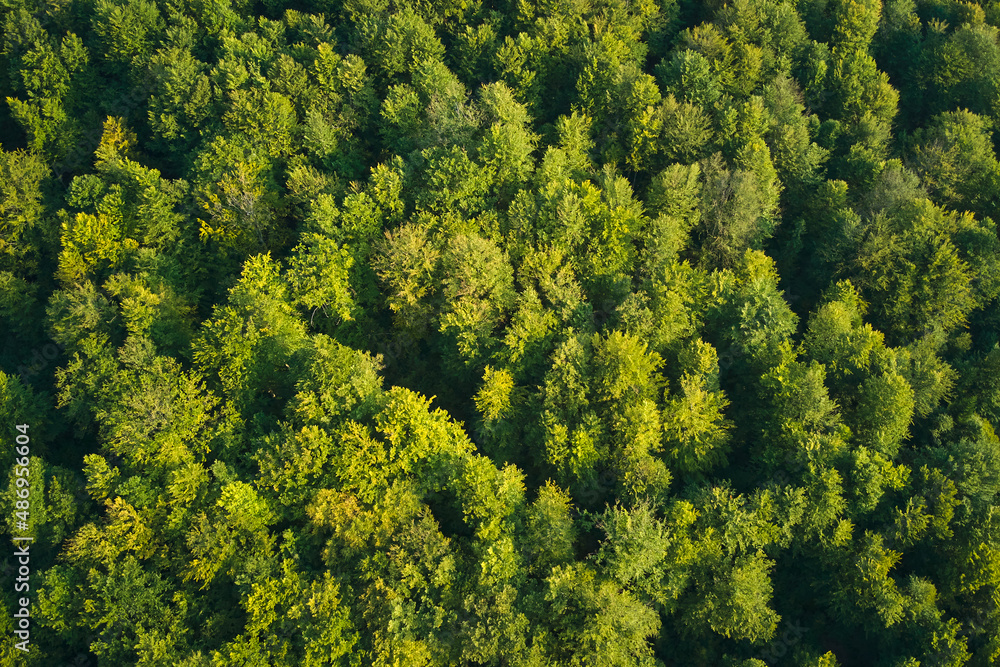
{"x":520,"y":334}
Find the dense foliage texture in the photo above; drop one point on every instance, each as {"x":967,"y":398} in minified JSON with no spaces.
{"x":593,"y":333}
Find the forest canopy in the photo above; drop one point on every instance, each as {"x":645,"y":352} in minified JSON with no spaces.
{"x":509,"y":333}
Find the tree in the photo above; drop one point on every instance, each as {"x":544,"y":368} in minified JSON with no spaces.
{"x":477,"y":289}
{"x":250,"y":340}
{"x":406,"y":261}
{"x":856,"y":85}
{"x":957,"y":70}
{"x":736,"y":212}
{"x":241,"y":206}
{"x":44,"y":70}
{"x":897,"y":46}
{"x":508,"y":142}
{"x":955,"y":159}
{"x":884,"y":411}
{"x":622,"y":101}
{"x":695,"y":431}
{"x":132,"y":614}
{"x":937,"y":291}
{"x":865,"y":586}
{"x":397,"y":43}
{"x":22,"y":237}
{"x":550,"y":534}
{"x":594,"y":623}
{"x":749,"y":313}
{"x":181,"y":100}
{"x":127,"y":31}
{"x":797,"y":159}
{"x":524,"y":333}
{"x":318,"y":276}
{"x":282,"y":607}
{"x":336,"y":105}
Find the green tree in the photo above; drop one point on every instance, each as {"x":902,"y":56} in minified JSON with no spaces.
{"x":43,"y":71}
{"x":955,"y":159}
{"x":247,"y":346}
